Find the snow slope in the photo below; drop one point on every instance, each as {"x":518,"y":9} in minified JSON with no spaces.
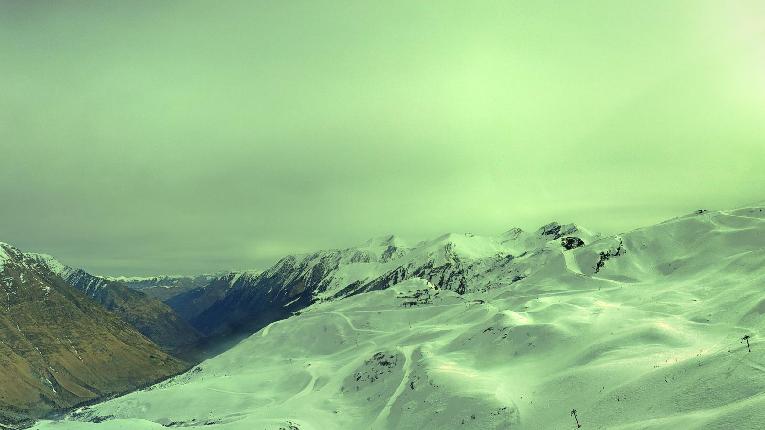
{"x":458,"y":262}
{"x":636,"y":331}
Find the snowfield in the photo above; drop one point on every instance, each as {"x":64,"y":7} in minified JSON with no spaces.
{"x":641,"y":330}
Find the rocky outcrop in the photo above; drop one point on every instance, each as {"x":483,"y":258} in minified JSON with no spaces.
{"x":556,"y":231}
{"x":604,"y":256}
{"x":571,"y":242}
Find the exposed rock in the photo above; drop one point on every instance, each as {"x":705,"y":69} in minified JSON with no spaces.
{"x":571,"y":242}
{"x":556,"y":230}
{"x":606,"y":255}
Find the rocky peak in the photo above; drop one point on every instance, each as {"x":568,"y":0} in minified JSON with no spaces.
{"x":9,"y":253}
{"x":512,"y":234}
{"x":384,"y":248}
{"x":51,"y":263}
{"x":554,"y":230}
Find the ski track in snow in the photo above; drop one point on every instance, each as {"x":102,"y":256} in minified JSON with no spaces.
{"x":652,"y":341}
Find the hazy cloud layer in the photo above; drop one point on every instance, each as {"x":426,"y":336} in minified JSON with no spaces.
{"x":180,"y":137}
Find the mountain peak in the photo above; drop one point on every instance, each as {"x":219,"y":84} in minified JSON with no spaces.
{"x":513,"y":233}
{"x":10,"y":254}
{"x":385,"y":241}
{"x":51,"y":263}
{"x":556,"y":230}
{"x":384,"y":248}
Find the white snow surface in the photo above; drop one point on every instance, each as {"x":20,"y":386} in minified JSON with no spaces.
{"x":487,"y":260}
{"x":160,"y":279}
{"x":649,"y":340}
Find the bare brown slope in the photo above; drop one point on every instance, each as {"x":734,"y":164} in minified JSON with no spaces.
{"x":59,"y":348}
{"x":148,"y":315}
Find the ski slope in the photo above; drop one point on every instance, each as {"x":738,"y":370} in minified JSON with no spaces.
{"x":649,"y":339}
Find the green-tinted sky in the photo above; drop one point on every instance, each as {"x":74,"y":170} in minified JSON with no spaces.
{"x":188,"y":136}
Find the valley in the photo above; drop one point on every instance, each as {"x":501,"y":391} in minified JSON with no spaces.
{"x":641,"y":330}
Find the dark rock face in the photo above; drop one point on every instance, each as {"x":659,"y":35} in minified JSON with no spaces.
{"x":376,"y":367}
{"x":253,"y":302}
{"x":195,"y":301}
{"x":449,"y":276}
{"x":419,"y":297}
{"x":556,"y":231}
{"x":606,"y":255}
{"x":294,"y":283}
{"x":571,"y":242}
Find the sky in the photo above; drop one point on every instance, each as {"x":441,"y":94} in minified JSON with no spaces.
{"x":180,"y":137}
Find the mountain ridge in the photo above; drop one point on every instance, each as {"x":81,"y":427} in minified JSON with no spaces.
{"x":151,"y":317}
{"x":60,"y":348}
{"x":634,"y":331}
{"x":295,"y":281}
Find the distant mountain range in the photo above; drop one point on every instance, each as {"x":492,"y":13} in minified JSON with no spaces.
{"x":164,"y":286}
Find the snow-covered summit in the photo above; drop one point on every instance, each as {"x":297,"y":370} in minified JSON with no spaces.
{"x":10,"y":255}
{"x":460,"y":262}
{"x":51,"y":263}
{"x":382,"y":248}
{"x":383,"y":242}
{"x":79,"y":278}
{"x":161,"y":279}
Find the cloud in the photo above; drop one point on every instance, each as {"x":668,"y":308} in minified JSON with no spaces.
{"x":175,"y":138}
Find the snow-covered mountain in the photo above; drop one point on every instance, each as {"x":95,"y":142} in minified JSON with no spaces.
{"x":643,"y":330}
{"x":164,"y":287}
{"x":245,"y":302}
{"x":59,"y":348}
{"x":458,"y":262}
